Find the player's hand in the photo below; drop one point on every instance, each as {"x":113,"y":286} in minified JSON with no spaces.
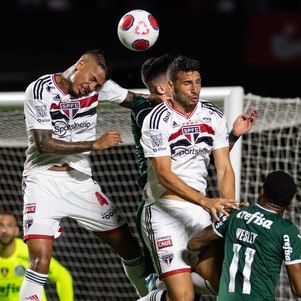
{"x":107,"y":140}
{"x":243,"y":204}
{"x":217,"y":206}
{"x":244,"y":123}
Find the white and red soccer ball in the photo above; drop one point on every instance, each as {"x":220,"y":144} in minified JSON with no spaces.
{"x":138,"y":30}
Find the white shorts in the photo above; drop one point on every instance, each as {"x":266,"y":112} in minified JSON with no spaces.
{"x":51,"y":195}
{"x":166,"y":227}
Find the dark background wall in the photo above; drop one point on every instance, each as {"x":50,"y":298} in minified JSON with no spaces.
{"x":252,"y":43}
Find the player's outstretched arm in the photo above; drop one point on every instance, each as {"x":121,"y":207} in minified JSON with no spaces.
{"x":294,"y":275}
{"x":63,"y":280}
{"x":242,"y":124}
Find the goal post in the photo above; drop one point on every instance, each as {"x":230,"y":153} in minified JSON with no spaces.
{"x":229,"y":98}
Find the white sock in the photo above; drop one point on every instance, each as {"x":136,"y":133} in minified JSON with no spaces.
{"x":201,"y":285}
{"x":134,"y":269}
{"x":154,"y":295}
{"x":32,"y":286}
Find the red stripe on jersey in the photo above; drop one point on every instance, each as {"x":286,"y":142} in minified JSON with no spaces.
{"x":202,"y":128}
{"x":85,"y":102}
{"x":88,"y":101}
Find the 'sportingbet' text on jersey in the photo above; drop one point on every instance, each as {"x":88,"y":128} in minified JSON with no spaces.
{"x":73,"y":119}
{"x":257,"y":241}
{"x":188,"y":140}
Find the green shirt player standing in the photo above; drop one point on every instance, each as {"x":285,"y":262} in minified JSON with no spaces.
{"x":257,"y":240}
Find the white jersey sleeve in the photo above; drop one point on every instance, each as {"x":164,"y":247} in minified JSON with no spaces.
{"x":221,"y":134}
{"x":36,"y":110}
{"x":112,"y":92}
{"x":154,"y":140}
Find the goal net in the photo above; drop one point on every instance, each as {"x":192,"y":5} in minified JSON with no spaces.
{"x":274,"y":143}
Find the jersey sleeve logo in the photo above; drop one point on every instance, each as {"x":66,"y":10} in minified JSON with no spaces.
{"x":41,"y":111}
{"x":157,"y":140}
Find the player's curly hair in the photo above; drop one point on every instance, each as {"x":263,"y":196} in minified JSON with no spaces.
{"x":279,"y":188}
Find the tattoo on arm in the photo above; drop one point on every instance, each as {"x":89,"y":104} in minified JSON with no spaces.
{"x":48,"y":145}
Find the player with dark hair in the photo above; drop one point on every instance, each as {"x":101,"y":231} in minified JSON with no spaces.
{"x":61,"y":115}
{"x":257,"y":240}
{"x":154,"y":77}
{"x":14,"y":262}
{"x":178,"y":137}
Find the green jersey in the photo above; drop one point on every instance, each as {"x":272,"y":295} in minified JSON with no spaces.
{"x":13,"y":268}
{"x":257,"y":241}
{"x":140,"y":108}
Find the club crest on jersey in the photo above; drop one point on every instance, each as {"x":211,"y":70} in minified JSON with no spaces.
{"x":167,"y":257}
{"x":20,"y":270}
{"x":191,"y":132}
{"x":70,"y":108}
{"x":4,"y":271}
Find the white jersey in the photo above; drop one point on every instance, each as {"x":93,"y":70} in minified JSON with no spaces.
{"x":188,"y":140}
{"x":70,"y":118}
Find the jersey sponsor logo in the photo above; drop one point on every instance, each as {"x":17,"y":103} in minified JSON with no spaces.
{"x":219,"y":223}
{"x":30,"y":208}
{"x":109,"y":213}
{"x":164,"y":242}
{"x":193,"y":151}
{"x":70,"y":108}
{"x":255,"y":218}
{"x":41,"y":111}
{"x":166,"y":117}
{"x":192,"y":138}
{"x":61,"y":128}
{"x":245,"y":235}
{"x":7,"y":290}
{"x":167,"y":257}
{"x":288,"y":250}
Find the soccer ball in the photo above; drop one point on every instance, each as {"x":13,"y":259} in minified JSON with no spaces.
{"x":138,"y":30}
